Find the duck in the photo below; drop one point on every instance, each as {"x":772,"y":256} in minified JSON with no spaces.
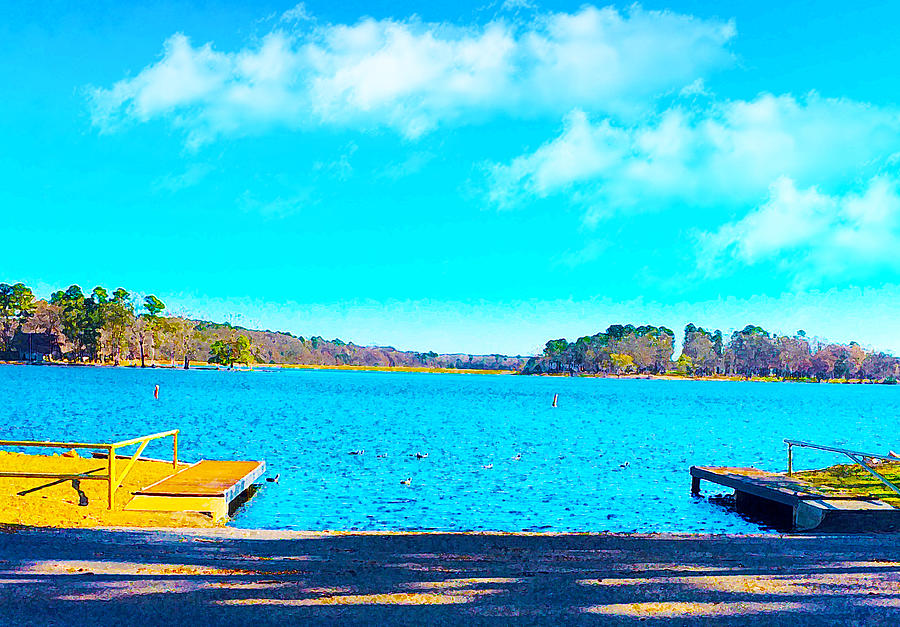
{"x":382,"y":455}
{"x":488,"y":467}
{"x":359,"y":452}
{"x":406,"y":481}
{"x":625,"y":465}
{"x":421,"y":455}
{"x":517,"y":457}
{"x":274,"y":479}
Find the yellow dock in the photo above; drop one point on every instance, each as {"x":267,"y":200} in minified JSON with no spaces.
{"x":209,"y":486}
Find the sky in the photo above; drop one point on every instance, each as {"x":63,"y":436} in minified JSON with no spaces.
{"x":461,"y":177}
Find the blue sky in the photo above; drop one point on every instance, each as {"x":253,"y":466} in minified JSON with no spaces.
{"x":473,"y":177}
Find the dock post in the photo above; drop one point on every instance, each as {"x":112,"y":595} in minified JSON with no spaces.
{"x":790,"y":461}
{"x":695,"y":485}
{"x":175,"y":450}
{"x":112,"y":476}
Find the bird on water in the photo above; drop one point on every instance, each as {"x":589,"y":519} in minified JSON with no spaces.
{"x":406,"y":481}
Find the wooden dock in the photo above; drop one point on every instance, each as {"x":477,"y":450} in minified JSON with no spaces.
{"x":209,"y":486}
{"x":794,"y":504}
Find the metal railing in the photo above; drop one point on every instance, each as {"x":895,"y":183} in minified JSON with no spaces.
{"x":857,"y":456}
{"x":114,"y":480}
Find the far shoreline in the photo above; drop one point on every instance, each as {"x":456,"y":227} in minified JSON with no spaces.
{"x":202,"y":365}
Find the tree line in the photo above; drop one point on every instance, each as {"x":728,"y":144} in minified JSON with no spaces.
{"x":104,"y":327}
{"x":749,"y":352}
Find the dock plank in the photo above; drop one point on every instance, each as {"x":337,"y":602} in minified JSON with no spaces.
{"x":777,"y":487}
{"x":207,"y":478}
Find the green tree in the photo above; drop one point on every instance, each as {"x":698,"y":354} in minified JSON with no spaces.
{"x":156,"y":325}
{"x":92,"y":321}
{"x":555,"y":351}
{"x":754,"y":351}
{"x":72,"y":311}
{"x":704,"y":348}
{"x":118,"y":319}
{"x":17,"y":305}
{"x":622,"y":362}
{"x":154,"y":306}
{"x":242,"y":354}
{"x":684,"y":365}
{"x":230,"y":352}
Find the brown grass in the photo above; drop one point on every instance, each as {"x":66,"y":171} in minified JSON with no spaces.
{"x":856,"y":479}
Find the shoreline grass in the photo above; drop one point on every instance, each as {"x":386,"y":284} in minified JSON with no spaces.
{"x":856,"y":479}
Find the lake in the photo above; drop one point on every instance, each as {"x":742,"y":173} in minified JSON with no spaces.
{"x":613,"y":456}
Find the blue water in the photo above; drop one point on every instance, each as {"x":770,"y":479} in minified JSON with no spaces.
{"x":569,"y":478}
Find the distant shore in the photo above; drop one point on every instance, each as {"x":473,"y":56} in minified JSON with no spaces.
{"x":719,"y":378}
{"x":203,"y":365}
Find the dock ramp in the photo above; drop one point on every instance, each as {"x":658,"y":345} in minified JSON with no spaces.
{"x":791,"y":503}
{"x":209,"y":486}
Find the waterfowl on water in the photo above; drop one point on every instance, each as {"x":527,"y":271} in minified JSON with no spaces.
{"x":488,"y":467}
{"x":517,"y":457}
{"x":274,"y":479}
{"x":421,"y":455}
{"x":406,"y":481}
{"x":625,"y":465}
{"x":359,"y":452}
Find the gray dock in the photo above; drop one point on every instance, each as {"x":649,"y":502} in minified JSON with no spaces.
{"x":794,"y":504}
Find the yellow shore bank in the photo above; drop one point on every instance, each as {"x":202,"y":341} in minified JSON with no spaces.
{"x":80,"y":503}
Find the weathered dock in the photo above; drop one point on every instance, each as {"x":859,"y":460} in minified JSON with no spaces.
{"x":213,"y":487}
{"x":208,"y":486}
{"x":791,"y":503}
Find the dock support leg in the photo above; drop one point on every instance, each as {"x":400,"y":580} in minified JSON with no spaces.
{"x":111,"y":469}
{"x":695,"y":485}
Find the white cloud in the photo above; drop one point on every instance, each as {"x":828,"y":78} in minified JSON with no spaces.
{"x":814,"y":235}
{"x":809,"y":179}
{"x":188,"y":178}
{"x":515,"y":5}
{"x":414,"y":76}
{"x":278,"y":207}
{"x":298,"y":13}
{"x":722,"y":155}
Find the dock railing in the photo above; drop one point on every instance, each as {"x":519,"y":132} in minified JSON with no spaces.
{"x":114,"y":480}
{"x":858,"y":457}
